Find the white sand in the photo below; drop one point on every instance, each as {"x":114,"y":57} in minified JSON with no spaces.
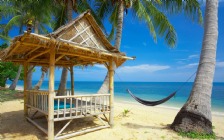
{"x":142,"y":123}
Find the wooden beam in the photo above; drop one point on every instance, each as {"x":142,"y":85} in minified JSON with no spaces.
{"x":80,"y":132}
{"x":76,"y":45}
{"x":59,"y":57}
{"x":51,"y":95}
{"x":32,"y":51}
{"x":33,"y":44}
{"x":13,"y":49}
{"x":63,"y":128}
{"x":111,"y":89}
{"x":25,"y":88}
{"x":35,"y":56}
{"x":38,"y":126}
{"x":72,"y":79}
{"x":82,"y":56}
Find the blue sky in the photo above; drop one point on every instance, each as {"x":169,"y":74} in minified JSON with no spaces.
{"x":156,"y":62}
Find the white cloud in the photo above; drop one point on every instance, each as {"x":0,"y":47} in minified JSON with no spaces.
{"x":192,"y":65}
{"x":142,"y":68}
{"x":220,"y":64}
{"x":193,"y":56}
{"x":190,"y":57}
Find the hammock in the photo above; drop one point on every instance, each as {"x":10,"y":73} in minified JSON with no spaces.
{"x":151,"y":103}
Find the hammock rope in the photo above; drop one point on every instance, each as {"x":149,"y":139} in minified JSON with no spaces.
{"x":151,"y":103}
{"x":154,"y":103}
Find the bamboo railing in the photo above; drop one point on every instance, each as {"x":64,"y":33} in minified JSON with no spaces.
{"x":80,"y":106}
{"x":38,"y":99}
{"x":71,"y":106}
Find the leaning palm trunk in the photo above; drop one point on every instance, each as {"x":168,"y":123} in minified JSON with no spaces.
{"x":105,"y":86}
{"x":15,"y":81}
{"x":43,"y":72}
{"x":195,"y":115}
{"x":38,"y":85}
{"x":64,"y":75}
{"x":62,"y":86}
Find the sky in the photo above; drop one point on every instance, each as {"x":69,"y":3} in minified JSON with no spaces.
{"x":155,"y":61}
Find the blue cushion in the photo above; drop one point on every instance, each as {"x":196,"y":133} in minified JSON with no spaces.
{"x":61,"y":105}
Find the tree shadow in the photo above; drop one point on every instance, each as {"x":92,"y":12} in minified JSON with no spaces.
{"x":137,"y":126}
{"x":14,"y":125}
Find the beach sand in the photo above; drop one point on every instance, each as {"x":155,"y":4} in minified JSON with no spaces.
{"x":142,"y":123}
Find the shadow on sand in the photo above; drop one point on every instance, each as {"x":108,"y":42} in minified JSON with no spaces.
{"x":137,"y":126}
{"x":14,"y":125}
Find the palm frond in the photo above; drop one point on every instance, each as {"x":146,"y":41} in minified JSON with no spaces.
{"x":60,"y":16}
{"x":7,"y":10}
{"x":162,"y":24}
{"x":83,"y":5}
{"x":191,"y":8}
{"x":111,"y":35}
{"x":5,"y":38}
{"x":15,"y":21}
{"x":141,"y":12}
{"x":103,"y":8}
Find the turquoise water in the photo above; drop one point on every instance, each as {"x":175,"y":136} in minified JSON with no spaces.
{"x":149,"y":91}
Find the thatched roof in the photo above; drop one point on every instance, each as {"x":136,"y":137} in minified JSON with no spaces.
{"x":80,"y":42}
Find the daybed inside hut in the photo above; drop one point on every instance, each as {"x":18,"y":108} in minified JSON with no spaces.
{"x":80,"y":42}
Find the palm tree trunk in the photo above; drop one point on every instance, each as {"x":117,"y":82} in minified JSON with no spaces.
{"x":14,"y":83}
{"x":69,"y":10}
{"x":64,"y":75}
{"x":30,"y":72}
{"x":120,"y":20}
{"x":105,"y":86}
{"x":38,"y":85}
{"x":29,"y":78}
{"x":195,"y":115}
{"x":43,"y":72}
{"x":43,"y":69}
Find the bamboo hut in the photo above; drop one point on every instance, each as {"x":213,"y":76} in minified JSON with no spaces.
{"x":80,"y":42}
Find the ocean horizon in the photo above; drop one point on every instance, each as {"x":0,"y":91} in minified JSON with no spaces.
{"x":147,"y":91}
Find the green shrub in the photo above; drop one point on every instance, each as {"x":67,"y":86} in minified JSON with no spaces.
{"x":195,"y":135}
{"x":125,"y":112}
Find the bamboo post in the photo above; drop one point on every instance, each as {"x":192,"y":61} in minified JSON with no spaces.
{"x":111,"y":89}
{"x":25,"y":88}
{"x":51,"y":95}
{"x":72,"y":80}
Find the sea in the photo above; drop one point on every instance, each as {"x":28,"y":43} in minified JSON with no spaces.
{"x":148,"y":91}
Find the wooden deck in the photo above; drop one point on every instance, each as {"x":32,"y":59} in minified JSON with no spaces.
{"x":68,"y":108}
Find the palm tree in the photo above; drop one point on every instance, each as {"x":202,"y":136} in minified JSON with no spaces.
{"x":195,"y":115}
{"x":19,"y":13}
{"x":149,"y":11}
{"x":78,"y":6}
{"x":17,"y":19}
{"x":70,"y":5}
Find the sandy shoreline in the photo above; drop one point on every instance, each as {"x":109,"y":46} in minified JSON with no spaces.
{"x":142,"y":123}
